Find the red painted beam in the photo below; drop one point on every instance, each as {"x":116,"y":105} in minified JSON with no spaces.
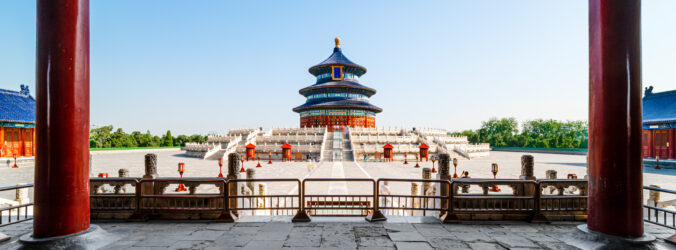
{"x":62,"y":118}
{"x":615,"y":164}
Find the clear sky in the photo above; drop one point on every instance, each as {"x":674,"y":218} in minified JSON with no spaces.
{"x":206,"y":66}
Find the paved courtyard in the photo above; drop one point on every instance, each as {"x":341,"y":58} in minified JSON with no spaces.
{"x":416,"y":233}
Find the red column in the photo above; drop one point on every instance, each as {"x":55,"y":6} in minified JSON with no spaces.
{"x":62,"y":118}
{"x":615,"y":170}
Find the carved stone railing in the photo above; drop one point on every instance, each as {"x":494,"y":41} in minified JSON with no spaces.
{"x":463,"y":199}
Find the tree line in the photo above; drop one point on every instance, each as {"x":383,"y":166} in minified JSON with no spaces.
{"x":104,"y":137}
{"x":538,"y":133}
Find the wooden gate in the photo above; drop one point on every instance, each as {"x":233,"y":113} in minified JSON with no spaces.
{"x":662,"y":143}
{"x":647,"y":134}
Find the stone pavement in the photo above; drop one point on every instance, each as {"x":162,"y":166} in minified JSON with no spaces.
{"x":417,"y":233}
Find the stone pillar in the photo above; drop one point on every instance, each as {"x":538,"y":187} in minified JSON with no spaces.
{"x":551,"y":174}
{"x":527,"y":165}
{"x":653,"y":197}
{"x":233,"y":169}
{"x":62,"y":118}
{"x":615,"y":118}
{"x":150,"y":173}
{"x":251,"y":174}
{"x":426,"y":174}
{"x":414,"y":202}
{"x":122,"y":173}
{"x":21,"y":195}
{"x":444,"y":174}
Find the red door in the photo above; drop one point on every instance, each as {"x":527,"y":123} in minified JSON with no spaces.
{"x":12,"y":141}
{"x":661,"y":143}
{"x":646,"y":144}
{"x":17,"y":143}
{"x":28,"y":142}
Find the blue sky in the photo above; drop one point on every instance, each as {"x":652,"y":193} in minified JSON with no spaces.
{"x":206,"y":66}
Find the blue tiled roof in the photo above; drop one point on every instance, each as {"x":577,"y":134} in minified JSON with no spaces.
{"x":348,"y":103}
{"x":337,"y":58}
{"x":17,"y":106}
{"x":659,"y":107}
{"x":348,"y":84}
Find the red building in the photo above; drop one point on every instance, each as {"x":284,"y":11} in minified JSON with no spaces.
{"x":659,"y":124}
{"x":17,"y":123}
{"x":337,"y":98}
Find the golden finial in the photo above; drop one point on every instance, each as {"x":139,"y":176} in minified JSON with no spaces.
{"x":337,"y":42}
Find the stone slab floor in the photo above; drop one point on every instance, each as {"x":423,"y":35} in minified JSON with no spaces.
{"x":417,"y":233}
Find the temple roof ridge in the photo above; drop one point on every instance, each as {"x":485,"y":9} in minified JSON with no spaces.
{"x":337,"y":58}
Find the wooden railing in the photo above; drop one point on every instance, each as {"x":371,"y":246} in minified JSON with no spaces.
{"x":459,"y":199}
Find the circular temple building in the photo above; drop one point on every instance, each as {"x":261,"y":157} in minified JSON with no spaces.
{"x":337,"y":98}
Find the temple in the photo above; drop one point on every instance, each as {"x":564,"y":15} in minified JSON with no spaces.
{"x":659,"y":123}
{"x":17,"y":123}
{"x":337,"y":99}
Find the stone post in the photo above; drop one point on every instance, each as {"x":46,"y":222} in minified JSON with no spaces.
{"x":21,"y":195}
{"x":122,"y":173}
{"x":233,"y":168}
{"x":251,"y":174}
{"x":426,"y":174}
{"x":551,"y":174}
{"x":653,"y":197}
{"x":262,"y":187}
{"x":444,"y":174}
{"x":150,"y":173}
{"x":527,"y":165}
{"x":414,"y":202}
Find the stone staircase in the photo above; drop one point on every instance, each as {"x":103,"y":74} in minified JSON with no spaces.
{"x":348,"y":152}
{"x":327,"y":153}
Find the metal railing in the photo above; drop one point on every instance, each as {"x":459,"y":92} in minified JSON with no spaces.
{"x":413,"y":204}
{"x":339,"y":204}
{"x":657,"y":215}
{"x":269,"y":204}
{"x":14,"y":212}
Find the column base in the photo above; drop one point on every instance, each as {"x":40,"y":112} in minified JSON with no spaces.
{"x":376,"y":215}
{"x":93,"y":238}
{"x":613,"y":241}
{"x":4,"y":237}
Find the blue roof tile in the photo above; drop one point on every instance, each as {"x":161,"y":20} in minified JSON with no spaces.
{"x":347,"y":103}
{"x":17,"y":106}
{"x":337,"y":58}
{"x":659,"y":107}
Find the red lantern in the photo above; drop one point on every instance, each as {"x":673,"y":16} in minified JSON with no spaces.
{"x":494,"y":169}
{"x":181,"y":169}
{"x":455,"y":167}
{"x":220,"y":167}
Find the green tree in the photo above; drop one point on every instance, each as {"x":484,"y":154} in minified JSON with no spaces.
{"x":168,"y":140}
